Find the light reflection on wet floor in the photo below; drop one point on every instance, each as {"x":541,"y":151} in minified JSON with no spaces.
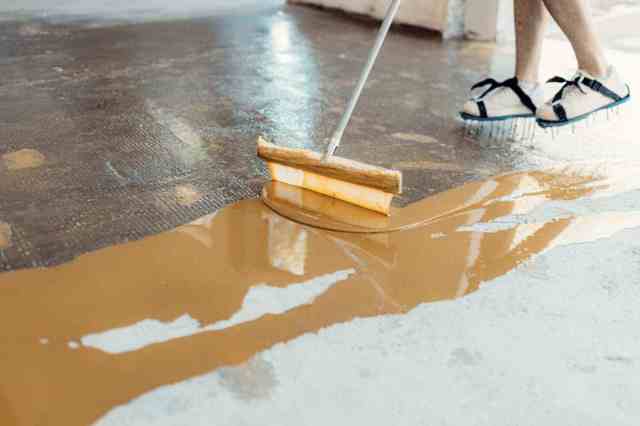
{"x":141,"y":124}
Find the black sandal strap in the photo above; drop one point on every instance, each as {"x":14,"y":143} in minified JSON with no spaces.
{"x":512,"y":84}
{"x":492,"y":83}
{"x":583,"y":81}
{"x":566,"y":83}
{"x":560,"y":112}
{"x":524,"y":98}
{"x":482,"y":108}
{"x":600,"y":88}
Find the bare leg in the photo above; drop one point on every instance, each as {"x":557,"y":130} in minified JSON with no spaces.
{"x":574,"y":18}
{"x":531,"y":19}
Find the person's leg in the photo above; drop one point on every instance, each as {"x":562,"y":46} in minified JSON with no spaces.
{"x":597,"y":85}
{"x":574,"y":18}
{"x":531,"y":19}
{"x":493,"y":101}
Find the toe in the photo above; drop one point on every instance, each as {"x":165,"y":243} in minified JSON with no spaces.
{"x":471,"y":108}
{"x":546,"y":112}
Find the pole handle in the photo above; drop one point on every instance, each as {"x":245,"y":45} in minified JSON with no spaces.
{"x":336,"y":138}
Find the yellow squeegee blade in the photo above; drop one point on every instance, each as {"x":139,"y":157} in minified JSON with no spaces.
{"x":358,"y":183}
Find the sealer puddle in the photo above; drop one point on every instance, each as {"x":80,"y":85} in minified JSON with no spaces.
{"x":201,"y":287}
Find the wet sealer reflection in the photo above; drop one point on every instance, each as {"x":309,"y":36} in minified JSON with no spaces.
{"x":83,"y":337}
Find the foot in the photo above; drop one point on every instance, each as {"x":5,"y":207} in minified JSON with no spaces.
{"x":582,"y":96}
{"x":494,"y":101}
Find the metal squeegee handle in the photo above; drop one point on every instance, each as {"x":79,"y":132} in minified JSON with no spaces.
{"x":346,"y":116}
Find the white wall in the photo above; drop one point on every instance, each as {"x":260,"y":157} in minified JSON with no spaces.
{"x":477,"y":19}
{"x":481,"y":19}
{"x":423,"y":13}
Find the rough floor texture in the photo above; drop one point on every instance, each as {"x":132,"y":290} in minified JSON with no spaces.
{"x":136,"y":128}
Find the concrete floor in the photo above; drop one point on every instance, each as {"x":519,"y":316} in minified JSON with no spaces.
{"x":124,"y":120}
{"x":112,"y":133}
{"x":128,"y":117}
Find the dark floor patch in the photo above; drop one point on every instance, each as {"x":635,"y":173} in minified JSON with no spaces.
{"x":128,"y":113}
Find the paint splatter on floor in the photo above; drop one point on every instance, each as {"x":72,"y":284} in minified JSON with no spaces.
{"x":5,"y":235}
{"x":187,"y":195}
{"x":23,"y":159}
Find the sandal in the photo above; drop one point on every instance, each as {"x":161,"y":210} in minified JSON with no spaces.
{"x":582,"y":96}
{"x":501,"y":101}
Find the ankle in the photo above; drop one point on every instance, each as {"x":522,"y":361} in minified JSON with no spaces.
{"x":599,"y":69}
{"x":527,"y":72}
{"x":528,"y":79}
{"x":529,"y":86}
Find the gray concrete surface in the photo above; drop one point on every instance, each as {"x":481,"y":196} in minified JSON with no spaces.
{"x":122,"y":116}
